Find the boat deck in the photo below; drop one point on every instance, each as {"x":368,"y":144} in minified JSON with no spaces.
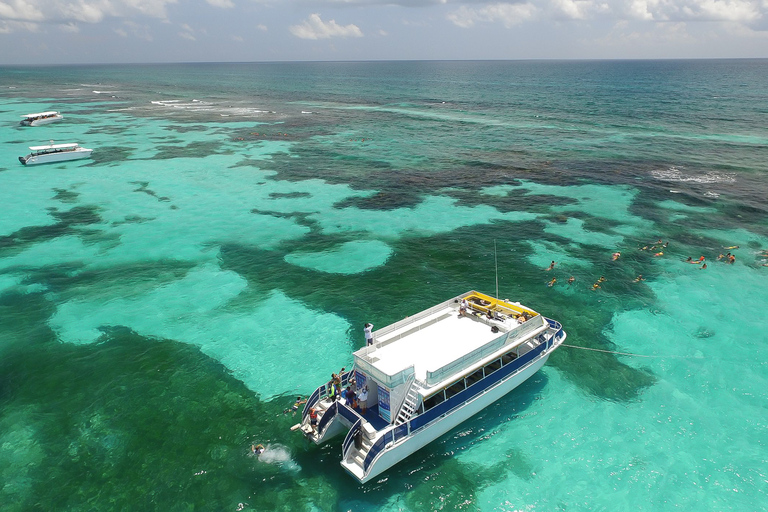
{"x":435,"y":341}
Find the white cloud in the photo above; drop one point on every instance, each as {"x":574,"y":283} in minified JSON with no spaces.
{"x":8,"y":27}
{"x":20,"y":10}
{"x":724,"y":10}
{"x":572,"y":9}
{"x":87,"y":11}
{"x":511,"y":13}
{"x":261,"y":27}
{"x":224,"y":4}
{"x":187,"y":32}
{"x":315,"y":28}
{"x":507,"y":14}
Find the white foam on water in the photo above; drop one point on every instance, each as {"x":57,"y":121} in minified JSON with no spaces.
{"x":278,"y":455}
{"x":677,"y":175}
{"x":348,"y":258}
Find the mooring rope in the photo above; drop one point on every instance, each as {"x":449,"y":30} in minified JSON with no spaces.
{"x":610,"y":351}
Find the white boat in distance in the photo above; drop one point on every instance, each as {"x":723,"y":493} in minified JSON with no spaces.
{"x":55,"y":153}
{"x":41,"y":118}
{"x":428,"y":373}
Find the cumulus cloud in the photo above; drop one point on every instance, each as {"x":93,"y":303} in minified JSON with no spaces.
{"x":8,"y":27}
{"x":20,"y":10}
{"x":315,"y":28}
{"x":224,"y":4}
{"x":514,"y":13}
{"x":86,"y":11}
{"x":506,"y":14}
{"x":573,"y":9}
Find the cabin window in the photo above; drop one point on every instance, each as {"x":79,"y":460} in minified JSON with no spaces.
{"x":508,"y":358}
{"x":454,"y":389}
{"x":492,"y":367}
{"x":434,"y":400}
{"x":474,"y":377}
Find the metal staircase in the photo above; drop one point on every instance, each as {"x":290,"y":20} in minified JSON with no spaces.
{"x":409,"y":404}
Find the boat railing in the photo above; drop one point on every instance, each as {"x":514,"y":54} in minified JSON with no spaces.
{"x":381,"y":333}
{"x":357,"y":427}
{"x":521,"y":331}
{"x":347,"y":412}
{"x":558,"y":333}
{"x":377,"y":447}
{"x":400,"y":432}
{"x":326,"y":419}
{"x":322,"y":392}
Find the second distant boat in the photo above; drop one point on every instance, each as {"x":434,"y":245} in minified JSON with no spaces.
{"x":41,"y":118}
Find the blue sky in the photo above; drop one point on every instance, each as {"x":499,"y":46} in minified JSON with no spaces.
{"x":117,"y":31}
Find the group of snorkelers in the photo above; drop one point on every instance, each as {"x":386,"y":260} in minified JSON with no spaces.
{"x":657,"y":248}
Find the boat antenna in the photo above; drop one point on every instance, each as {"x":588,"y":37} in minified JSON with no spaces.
{"x":496,"y":263}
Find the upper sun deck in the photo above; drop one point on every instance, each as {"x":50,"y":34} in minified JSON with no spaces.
{"x":55,"y":147}
{"x":40,"y":114}
{"x":439,"y":342}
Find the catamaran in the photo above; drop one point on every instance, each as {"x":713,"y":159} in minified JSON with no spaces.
{"x":428,"y":373}
{"x":41,"y":118}
{"x":55,"y":153}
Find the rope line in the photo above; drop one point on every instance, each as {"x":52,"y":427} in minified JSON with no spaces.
{"x":611,"y":351}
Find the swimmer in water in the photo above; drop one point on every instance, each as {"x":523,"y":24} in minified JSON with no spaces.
{"x":616,"y":255}
{"x":639,"y":278}
{"x":257,"y":449}
{"x":552,"y":282}
{"x":571,"y":279}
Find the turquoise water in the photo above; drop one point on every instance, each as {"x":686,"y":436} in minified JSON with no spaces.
{"x":163,"y":303}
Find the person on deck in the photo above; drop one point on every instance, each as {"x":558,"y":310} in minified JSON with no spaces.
{"x":363,"y":400}
{"x":368,"y":329}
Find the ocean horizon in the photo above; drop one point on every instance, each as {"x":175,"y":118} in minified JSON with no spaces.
{"x":164,"y":302}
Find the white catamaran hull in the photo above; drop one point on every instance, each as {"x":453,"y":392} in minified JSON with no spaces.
{"x":55,"y":157}
{"x":391,"y":456}
{"x":40,"y":122}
